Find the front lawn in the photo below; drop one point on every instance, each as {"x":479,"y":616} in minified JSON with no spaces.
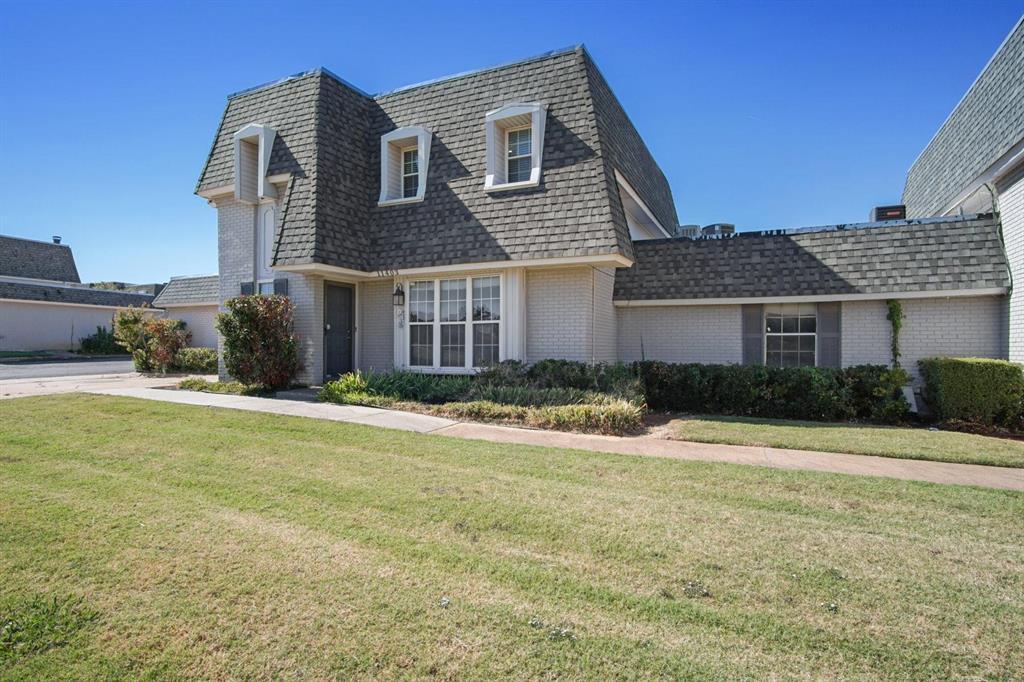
{"x":144,"y":539}
{"x":884,"y":441}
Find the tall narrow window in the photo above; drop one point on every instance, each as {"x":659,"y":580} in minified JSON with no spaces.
{"x":790,"y":336}
{"x":520,"y":155}
{"x":410,"y":173}
{"x":421,"y":324}
{"x":486,"y":318}
{"x":265,"y":251}
{"x":453,"y":322}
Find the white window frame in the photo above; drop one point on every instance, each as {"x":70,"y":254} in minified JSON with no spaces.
{"x":263,"y":282}
{"x":467,"y":367}
{"x":405,"y":175}
{"x":783,"y":335}
{"x":392,"y":152}
{"x":499,"y":122}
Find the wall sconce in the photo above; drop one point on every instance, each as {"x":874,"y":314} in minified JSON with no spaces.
{"x":398,"y":298}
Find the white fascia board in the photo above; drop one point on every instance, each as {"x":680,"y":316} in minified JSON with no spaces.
{"x":265,"y":136}
{"x":423,"y":138}
{"x":824,"y":298}
{"x":211,"y":193}
{"x":198,"y":304}
{"x":1005,"y":164}
{"x":346,"y":274}
{"x":640,"y":202}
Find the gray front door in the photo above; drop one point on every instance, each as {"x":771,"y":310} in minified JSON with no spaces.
{"x":339,"y":324}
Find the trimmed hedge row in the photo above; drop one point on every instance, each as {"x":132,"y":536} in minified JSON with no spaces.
{"x":864,"y":392}
{"x":975,"y":390}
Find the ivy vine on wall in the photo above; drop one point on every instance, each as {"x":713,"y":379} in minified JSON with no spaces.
{"x":895,"y":317}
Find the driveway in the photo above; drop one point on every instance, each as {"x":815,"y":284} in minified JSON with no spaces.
{"x":41,"y":369}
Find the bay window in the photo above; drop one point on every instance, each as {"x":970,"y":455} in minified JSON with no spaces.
{"x":790,"y":335}
{"x":454,"y":323}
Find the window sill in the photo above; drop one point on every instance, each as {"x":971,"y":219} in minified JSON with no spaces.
{"x":511,"y":185}
{"x":441,"y":370}
{"x":398,"y":202}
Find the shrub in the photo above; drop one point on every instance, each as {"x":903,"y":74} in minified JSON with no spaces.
{"x":814,"y":393}
{"x":100,"y":343}
{"x":974,"y":390}
{"x":529,"y":396}
{"x":614,"y":417}
{"x":153,"y":342}
{"x":423,"y":388}
{"x":505,"y":373}
{"x":259,"y":344}
{"x":203,"y":360}
{"x":616,"y":379}
{"x":130,"y":334}
{"x":230,"y":387}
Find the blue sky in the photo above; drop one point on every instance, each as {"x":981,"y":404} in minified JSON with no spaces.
{"x":763,"y":114}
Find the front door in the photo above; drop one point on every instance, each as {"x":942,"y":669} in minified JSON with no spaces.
{"x":339,"y":323}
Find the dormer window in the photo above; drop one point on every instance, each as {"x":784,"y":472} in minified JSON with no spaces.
{"x":515,"y":141}
{"x":404,"y":155}
{"x":253,"y":144}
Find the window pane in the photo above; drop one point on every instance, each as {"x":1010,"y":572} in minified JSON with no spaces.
{"x":410,"y":185}
{"x":519,"y":169}
{"x":773,"y":324}
{"x":790,"y":343}
{"x":808,"y":325}
{"x":790,"y":325}
{"x":807,"y":359}
{"x":773,"y":359}
{"x":421,"y":302}
{"x":421,"y":345}
{"x":519,"y":142}
{"x":485,"y":344}
{"x":453,"y":345}
{"x":774,"y":342}
{"x":486,"y":298}
{"x":806,"y":343}
{"x":790,"y":359}
{"x":453,"y":300}
{"x":410,"y":161}
{"x":266,"y":288}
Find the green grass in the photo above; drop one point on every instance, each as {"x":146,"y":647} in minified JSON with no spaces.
{"x":884,"y":441}
{"x":226,"y":544}
{"x":6,"y":354}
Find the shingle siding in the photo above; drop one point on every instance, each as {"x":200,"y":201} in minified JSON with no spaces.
{"x":707,"y":334}
{"x":37,"y":260}
{"x":189,"y":291}
{"x":78,"y":295}
{"x":984,"y":126}
{"x":376,"y":326}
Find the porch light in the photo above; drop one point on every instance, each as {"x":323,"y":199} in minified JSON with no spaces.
{"x":398,"y":298}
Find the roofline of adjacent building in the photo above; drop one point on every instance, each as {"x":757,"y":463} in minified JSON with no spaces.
{"x":33,"y":301}
{"x":967,"y":92}
{"x":210,"y":274}
{"x":813,"y":298}
{"x":56,"y":284}
{"x":35,"y":241}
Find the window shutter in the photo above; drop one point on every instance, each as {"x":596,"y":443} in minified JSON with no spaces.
{"x":247,"y":288}
{"x":753,"y":334}
{"x":830,"y":335}
{"x":281,"y":287}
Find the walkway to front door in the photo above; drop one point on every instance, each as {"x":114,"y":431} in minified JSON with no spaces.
{"x":339,"y":325}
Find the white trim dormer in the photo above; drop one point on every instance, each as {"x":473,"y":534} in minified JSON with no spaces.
{"x":529,"y":116}
{"x":252,"y":146}
{"x":395,"y":150}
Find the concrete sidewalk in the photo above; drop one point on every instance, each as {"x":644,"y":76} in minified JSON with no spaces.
{"x":23,"y":388}
{"x":646,"y":446}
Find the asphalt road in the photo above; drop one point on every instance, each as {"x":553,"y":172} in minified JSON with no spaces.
{"x":38,"y":369}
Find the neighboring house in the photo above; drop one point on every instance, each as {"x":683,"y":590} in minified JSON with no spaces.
{"x":515,"y":213}
{"x":975,"y":163}
{"x":43,"y":305}
{"x":195,"y":301}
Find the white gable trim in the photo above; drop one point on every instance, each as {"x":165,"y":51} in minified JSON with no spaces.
{"x":515,"y":115}
{"x":263,"y":137}
{"x":623,"y":185}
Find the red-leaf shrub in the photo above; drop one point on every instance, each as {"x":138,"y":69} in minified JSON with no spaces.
{"x":259,"y":344}
{"x":153,"y":342}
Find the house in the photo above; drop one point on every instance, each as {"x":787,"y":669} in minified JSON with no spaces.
{"x":975,"y":163}
{"x":43,"y":304}
{"x":516,"y":213}
{"x":194,"y":301}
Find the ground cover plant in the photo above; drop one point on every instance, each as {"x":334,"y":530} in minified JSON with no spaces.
{"x":226,"y":387}
{"x":221,"y":544}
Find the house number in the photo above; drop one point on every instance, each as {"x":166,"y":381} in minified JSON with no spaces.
{"x":387,"y":273}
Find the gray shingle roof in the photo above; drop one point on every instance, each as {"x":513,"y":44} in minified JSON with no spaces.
{"x":189,"y":291}
{"x":328,"y":137}
{"x":21,"y":291}
{"x":898,"y":257}
{"x":987,"y":122}
{"x":37,"y":260}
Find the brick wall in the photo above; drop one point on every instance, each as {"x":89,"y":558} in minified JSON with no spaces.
{"x":971,"y":326}
{"x":605,"y":323}
{"x":1011,"y":213}
{"x":199,"y":320}
{"x":236,"y":229}
{"x":702,"y":333}
{"x":376,"y":326}
{"x":558,"y":314}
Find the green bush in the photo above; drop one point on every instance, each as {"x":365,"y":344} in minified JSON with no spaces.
{"x":616,"y":379}
{"x":974,"y":390}
{"x":422,"y":388}
{"x":615,"y":417}
{"x":229,"y":387}
{"x":130,"y":334}
{"x":259,"y":344}
{"x":153,"y":342}
{"x":528,"y":396}
{"x":201,"y":360}
{"x":100,"y":343}
{"x":505,"y":373}
{"x":814,"y":393}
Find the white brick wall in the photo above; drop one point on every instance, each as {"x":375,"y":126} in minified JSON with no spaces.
{"x":709,"y":334}
{"x":376,"y":326}
{"x":559,"y":314}
{"x":236,"y":227}
{"x":866,"y":333}
{"x":605,"y":318}
{"x":199,"y":320}
{"x":1011,"y":213}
